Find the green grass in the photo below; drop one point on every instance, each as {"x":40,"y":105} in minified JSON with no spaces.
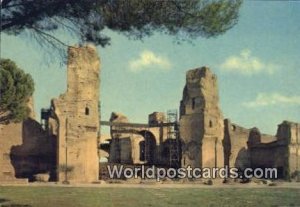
{"x":138,"y":197}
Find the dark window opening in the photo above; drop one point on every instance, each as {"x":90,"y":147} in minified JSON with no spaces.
{"x":87,"y":111}
{"x":193,"y":103}
{"x":210,"y":124}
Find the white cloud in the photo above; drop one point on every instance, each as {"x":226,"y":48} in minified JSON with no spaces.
{"x":264,"y":99}
{"x":247,"y":64}
{"x":148,"y":59}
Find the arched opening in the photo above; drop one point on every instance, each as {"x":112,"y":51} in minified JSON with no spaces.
{"x":210,"y":124}
{"x":171,"y":153}
{"x":147,"y":147}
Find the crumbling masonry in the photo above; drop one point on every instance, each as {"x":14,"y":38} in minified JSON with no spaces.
{"x":207,"y":140}
{"x":75,"y":118}
{"x":64,"y":147}
{"x":201,"y":121}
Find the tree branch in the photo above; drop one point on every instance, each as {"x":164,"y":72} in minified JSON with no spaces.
{"x":48,"y":35}
{"x":15,"y":5}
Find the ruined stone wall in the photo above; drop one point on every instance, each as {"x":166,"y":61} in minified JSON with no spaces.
{"x":10,"y":135}
{"x":120,"y":146}
{"x":201,"y":120}
{"x":270,"y":155}
{"x":25,"y":150}
{"x":156,"y":118}
{"x":77,"y":115}
{"x":294,"y":159}
{"x":290,"y":132}
{"x":168,"y":150}
{"x":136,"y":141}
{"x":104,"y":145}
{"x":207,"y":140}
{"x":235,"y":145}
{"x":280,"y":153}
{"x":127,"y":148}
{"x":249,"y":148}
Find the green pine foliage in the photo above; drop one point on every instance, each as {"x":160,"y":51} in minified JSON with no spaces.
{"x":16,"y":87}
{"x":87,"y":19}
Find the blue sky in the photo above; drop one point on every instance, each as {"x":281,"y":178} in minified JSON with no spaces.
{"x":257,"y":64}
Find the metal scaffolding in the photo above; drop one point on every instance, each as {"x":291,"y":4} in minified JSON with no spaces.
{"x":173,"y":138}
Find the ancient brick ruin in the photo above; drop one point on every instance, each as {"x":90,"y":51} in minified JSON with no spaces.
{"x":208,"y":140}
{"x":26,"y":150}
{"x":201,"y":120}
{"x":74,"y":118}
{"x":153,"y":143}
{"x":66,"y":145}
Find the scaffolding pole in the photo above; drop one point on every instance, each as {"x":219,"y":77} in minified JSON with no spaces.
{"x":173,"y":138}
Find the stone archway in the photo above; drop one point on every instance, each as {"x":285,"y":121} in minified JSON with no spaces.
{"x":147,"y":147}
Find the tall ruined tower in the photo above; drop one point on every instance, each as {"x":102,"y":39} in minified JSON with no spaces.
{"x":77,"y":115}
{"x":201,"y":120}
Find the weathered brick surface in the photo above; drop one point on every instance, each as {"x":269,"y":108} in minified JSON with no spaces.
{"x":25,"y":150}
{"x":201,"y":120}
{"x":77,"y":115}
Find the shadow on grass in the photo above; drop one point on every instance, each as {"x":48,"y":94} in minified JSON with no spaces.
{"x":5,"y":203}
{"x":3,"y":200}
{"x":15,"y":205}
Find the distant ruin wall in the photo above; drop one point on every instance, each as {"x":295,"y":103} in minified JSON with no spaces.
{"x":283,"y":153}
{"x":120,"y":146}
{"x":289,"y":132}
{"x":140,"y":145}
{"x":249,"y":148}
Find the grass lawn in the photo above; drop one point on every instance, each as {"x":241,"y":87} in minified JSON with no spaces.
{"x":138,"y":197}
